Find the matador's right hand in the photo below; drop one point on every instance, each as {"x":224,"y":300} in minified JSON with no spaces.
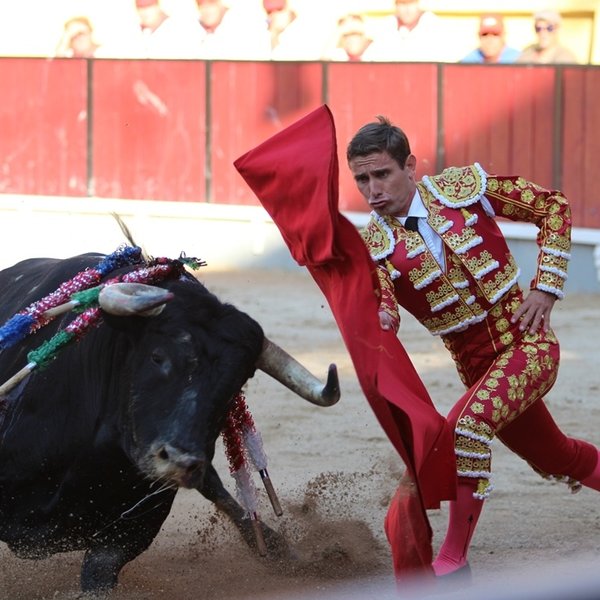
{"x":387,"y":322}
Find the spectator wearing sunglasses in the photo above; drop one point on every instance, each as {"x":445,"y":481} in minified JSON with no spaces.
{"x":547,"y":49}
{"x":492,"y":43}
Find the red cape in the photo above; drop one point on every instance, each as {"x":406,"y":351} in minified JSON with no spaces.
{"x":294,"y":174}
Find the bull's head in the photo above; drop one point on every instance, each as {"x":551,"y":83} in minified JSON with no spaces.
{"x":188,"y":363}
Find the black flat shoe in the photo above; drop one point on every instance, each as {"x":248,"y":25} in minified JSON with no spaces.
{"x":462,"y":576}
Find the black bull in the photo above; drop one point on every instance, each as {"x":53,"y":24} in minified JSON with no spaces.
{"x":93,"y":448}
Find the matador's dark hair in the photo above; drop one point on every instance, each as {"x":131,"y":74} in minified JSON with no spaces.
{"x":380,"y":136}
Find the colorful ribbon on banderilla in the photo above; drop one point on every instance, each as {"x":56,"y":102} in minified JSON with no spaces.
{"x":78,"y":295}
{"x":244,"y":447}
{"x":35,"y":316}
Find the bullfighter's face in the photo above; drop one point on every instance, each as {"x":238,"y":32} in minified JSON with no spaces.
{"x":387,"y":187}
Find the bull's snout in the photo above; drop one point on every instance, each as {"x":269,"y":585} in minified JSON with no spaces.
{"x":184,"y":468}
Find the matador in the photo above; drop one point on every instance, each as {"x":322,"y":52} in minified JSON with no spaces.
{"x":441,"y":255}
{"x":432,"y":246}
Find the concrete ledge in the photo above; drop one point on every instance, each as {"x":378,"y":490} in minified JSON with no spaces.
{"x":227,"y":237}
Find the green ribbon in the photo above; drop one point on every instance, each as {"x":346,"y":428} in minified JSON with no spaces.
{"x":43,"y":355}
{"x":86,"y":298}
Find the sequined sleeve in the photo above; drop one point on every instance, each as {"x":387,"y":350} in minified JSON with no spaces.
{"x":380,"y":242}
{"x":520,"y":200}
{"x":387,"y":301}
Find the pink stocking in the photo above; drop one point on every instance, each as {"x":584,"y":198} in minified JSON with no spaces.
{"x":462,"y":520}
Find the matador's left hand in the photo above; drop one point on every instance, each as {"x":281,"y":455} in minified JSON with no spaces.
{"x":535,"y":311}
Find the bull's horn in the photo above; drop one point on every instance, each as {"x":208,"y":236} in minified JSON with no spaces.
{"x":126,"y":299}
{"x":277,"y":363}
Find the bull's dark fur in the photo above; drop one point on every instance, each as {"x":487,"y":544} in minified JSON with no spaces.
{"x":75,"y":436}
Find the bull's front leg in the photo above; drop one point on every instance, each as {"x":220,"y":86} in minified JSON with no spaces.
{"x":119,"y":543}
{"x":100,"y":570}
{"x":212,"y":489}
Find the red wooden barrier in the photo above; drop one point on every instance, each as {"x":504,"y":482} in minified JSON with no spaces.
{"x":170,"y":130}
{"x":405,"y":93}
{"x":501,"y":117}
{"x":43,"y":110}
{"x":149,"y":130}
{"x":249,"y":103}
{"x":581,"y":144}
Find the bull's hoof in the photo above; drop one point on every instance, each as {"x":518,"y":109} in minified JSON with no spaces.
{"x":100,"y":571}
{"x":277,"y":546}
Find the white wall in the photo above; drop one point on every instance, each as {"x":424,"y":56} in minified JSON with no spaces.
{"x":227,"y":237}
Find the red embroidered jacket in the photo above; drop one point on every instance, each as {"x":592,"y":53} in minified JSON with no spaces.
{"x":479,"y":266}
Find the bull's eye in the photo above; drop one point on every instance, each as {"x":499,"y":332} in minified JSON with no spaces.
{"x":161,"y":361}
{"x":158,"y":358}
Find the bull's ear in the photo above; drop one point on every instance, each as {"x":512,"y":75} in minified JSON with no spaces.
{"x":133,"y":299}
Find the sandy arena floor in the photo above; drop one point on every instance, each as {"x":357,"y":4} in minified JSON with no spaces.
{"x":335,"y":471}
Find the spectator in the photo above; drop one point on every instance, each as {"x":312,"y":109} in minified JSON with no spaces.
{"x":279,"y":17}
{"x":492,"y":43}
{"x":292,"y":38}
{"x":230,"y":34}
{"x":412,"y":34}
{"x":547,"y":49}
{"x":77,"y":40}
{"x":212,"y":13}
{"x":352,"y":40}
{"x":164,"y":36}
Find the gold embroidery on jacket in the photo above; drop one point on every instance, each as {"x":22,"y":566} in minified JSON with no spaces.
{"x":481,"y":264}
{"x":456,"y":275}
{"x":458,"y":186}
{"x":378,"y":239}
{"x":457,"y":316}
{"x":442,"y":296}
{"x":428,"y":271}
{"x":412,"y":240}
{"x":439,"y":222}
{"x":559,"y":243}
{"x":463,"y":241}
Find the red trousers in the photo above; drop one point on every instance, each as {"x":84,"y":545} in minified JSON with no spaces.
{"x":507,"y":373}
